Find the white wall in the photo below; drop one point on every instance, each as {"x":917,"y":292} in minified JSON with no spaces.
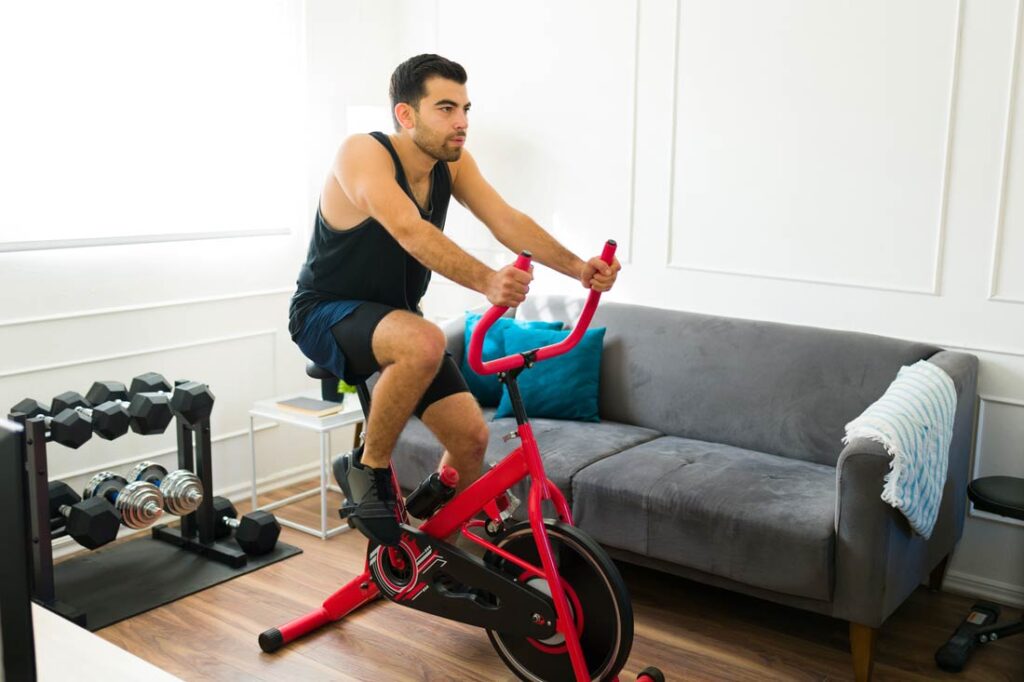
{"x":848,"y":165}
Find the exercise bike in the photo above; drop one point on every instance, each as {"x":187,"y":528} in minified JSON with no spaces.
{"x":577,"y":626}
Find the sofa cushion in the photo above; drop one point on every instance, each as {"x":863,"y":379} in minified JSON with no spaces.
{"x":565,"y":446}
{"x":759,"y":519}
{"x":777,"y":388}
{"x":563,"y":387}
{"x":486,"y":388}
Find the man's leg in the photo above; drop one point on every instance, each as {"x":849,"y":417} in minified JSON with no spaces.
{"x":459,"y":425}
{"x":409,"y":350}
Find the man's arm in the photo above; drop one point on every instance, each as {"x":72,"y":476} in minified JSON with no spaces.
{"x":366,"y":174}
{"x":517,"y":231}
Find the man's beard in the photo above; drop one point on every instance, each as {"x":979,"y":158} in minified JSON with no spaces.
{"x":437,"y":151}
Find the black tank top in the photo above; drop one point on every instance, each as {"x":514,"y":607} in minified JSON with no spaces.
{"x":365,"y":263}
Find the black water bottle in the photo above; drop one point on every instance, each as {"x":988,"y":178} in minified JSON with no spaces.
{"x":438,"y":488}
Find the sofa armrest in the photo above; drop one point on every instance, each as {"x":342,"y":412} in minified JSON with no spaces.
{"x":864,"y":528}
{"x":879,"y":560}
{"x":963,"y":369}
{"x":455,"y":335}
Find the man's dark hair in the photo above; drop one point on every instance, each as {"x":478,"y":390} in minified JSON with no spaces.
{"x":408,"y":80}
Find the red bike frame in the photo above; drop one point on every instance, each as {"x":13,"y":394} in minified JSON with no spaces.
{"x":483,"y":494}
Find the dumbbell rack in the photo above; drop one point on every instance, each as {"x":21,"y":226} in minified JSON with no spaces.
{"x":196,"y":532}
{"x":37,"y":489}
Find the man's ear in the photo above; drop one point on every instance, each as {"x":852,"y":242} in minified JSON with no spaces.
{"x":405,"y":115}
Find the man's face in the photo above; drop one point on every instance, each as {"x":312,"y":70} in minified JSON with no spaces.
{"x":441,"y":120}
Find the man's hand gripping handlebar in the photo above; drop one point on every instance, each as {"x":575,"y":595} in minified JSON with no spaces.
{"x":476,"y":341}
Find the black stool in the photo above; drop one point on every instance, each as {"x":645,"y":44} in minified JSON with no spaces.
{"x":1002,"y":495}
{"x":329,"y":391}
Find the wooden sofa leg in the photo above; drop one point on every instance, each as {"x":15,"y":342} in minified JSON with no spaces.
{"x":862,"y":646}
{"x":938,"y":574}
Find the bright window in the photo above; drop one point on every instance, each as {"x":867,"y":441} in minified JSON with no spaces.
{"x":124,"y":121}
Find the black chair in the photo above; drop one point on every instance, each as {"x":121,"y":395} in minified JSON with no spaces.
{"x":1002,"y":495}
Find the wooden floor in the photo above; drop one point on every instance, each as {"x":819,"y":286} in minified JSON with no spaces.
{"x":690,"y":631}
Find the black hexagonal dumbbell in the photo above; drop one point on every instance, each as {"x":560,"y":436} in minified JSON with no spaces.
{"x":190,"y":400}
{"x":107,"y":419}
{"x":256,"y":533}
{"x":92,"y":523}
{"x":148,"y":406}
{"x":69,"y":427}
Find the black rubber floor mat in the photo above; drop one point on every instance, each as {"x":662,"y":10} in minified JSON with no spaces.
{"x":125,"y":580}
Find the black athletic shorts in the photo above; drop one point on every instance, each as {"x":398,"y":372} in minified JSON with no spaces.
{"x":354,"y":335}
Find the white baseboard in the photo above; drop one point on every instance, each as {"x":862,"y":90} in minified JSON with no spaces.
{"x":278,"y":480}
{"x":236,"y":493}
{"x":992,"y":590}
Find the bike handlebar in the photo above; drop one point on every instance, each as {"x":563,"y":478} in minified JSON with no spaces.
{"x":476,"y":341}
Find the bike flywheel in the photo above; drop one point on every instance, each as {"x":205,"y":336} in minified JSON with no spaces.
{"x":598,"y":600}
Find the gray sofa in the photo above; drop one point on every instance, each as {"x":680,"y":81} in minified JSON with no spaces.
{"x":719,"y":458}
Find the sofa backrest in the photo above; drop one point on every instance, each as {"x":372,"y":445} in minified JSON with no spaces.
{"x":777,"y":388}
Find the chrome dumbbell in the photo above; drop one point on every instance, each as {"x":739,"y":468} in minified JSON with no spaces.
{"x":139,"y":503}
{"x":182,"y":490}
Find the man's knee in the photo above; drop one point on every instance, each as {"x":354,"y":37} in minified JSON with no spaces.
{"x":472,"y":442}
{"x":414,"y":342}
{"x":430,"y":346}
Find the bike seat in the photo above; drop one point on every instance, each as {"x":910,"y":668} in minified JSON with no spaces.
{"x":1003,"y":495}
{"x":315,"y":371}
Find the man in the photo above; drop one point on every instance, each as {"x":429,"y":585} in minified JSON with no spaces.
{"x":378,"y":235}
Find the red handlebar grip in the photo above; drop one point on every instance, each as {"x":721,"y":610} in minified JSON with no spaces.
{"x":523,"y":261}
{"x":608,"y":253}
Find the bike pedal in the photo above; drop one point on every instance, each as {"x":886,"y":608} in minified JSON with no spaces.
{"x":511,"y":504}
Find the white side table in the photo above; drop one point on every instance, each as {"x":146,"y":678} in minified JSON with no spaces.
{"x":351,"y":413}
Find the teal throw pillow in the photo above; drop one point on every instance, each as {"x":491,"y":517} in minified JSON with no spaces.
{"x":562,"y":387}
{"x":487,"y":389}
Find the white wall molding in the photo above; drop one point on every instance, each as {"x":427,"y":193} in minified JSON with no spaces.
{"x":1002,"y":401}
{"x":978,"y":349}
{"x":633,"y":125}
{"x":166,"y":452}
{"x":6,"y":247}
{"x":1005,"y":299}
{"x":672,"y":133}
{"x":975,"y":586}
{"x":947,"y":152}
{"x":146,"y":306}
{"x":136,"y":353}
{"x":997,"y":241}
{"x":935,"y":288}
{"x":790,"y":278}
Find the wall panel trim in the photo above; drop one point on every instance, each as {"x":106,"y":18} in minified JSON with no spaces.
{"x":935,"y":288}
{"x":136,"y":353}
{"x":997,"y":241}
{"x":145,"y":306}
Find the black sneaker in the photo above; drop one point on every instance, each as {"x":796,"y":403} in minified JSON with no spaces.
{"x":371,"y":504}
